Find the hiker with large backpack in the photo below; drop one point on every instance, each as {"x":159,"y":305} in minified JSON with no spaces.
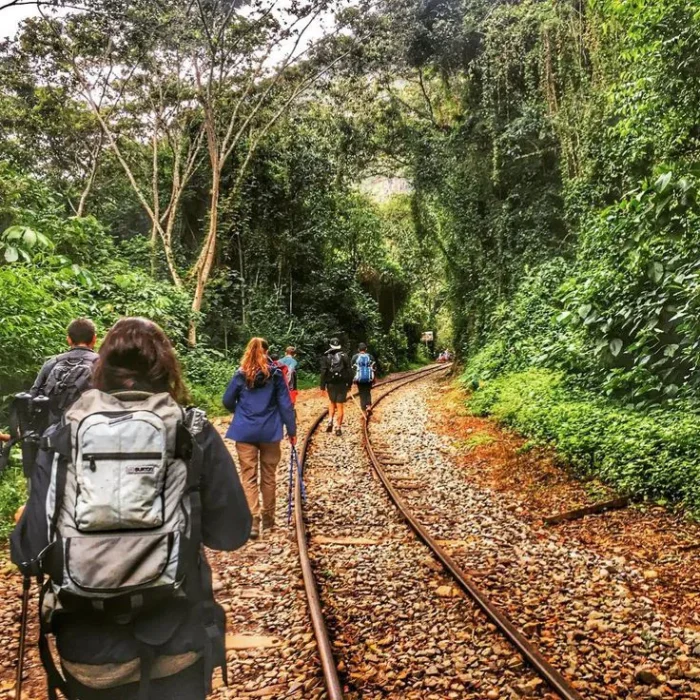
{"x":258,"y":397}
{"x":336,"y":379}
{"x":63,"y":378}
{"x":126,"y":491}
{"x":364,"y":365}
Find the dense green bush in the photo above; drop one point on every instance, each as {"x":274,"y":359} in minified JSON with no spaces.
{"x":528,"y":330}
{"x":652,"y":453}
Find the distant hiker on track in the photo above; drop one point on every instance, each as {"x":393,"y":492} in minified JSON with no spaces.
{"x":336,"y":379}
{"x":130,"y":597}
{"x":364,"y":365}
{"x":64,"y":377}
{"x":259,"y":399}
{"x":275,"y":359}
{"x":290,"y":361}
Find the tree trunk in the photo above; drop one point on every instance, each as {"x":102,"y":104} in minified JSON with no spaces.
{"x":207,"y":259}
{"x":241,"y":263}
{"x":91,"y":178}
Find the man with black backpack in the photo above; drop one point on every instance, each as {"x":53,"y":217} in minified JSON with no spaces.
{"x":364,"y":366}
{"x":65,"y":377}
{"x":336,"y":378}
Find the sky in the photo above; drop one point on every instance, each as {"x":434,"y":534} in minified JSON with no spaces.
{"x":12,"y":16}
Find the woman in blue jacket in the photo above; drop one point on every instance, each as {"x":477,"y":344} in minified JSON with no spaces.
{"x":259,"y":399}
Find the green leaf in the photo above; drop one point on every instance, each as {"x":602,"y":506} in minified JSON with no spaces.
{"x":615,"y":346}
{"x":29,"y":238}
{"x":663,"y":182}
{"x":13,"y":233}
{"x":43,"y":240}
{"x":11,"y":254}
{"x":656,"y":271}
{"x":584,"y":310}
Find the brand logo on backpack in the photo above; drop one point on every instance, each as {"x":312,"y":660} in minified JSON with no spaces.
{"x":141,"y":470}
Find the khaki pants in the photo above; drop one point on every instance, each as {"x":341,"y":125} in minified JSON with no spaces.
{"x":268,"y":454}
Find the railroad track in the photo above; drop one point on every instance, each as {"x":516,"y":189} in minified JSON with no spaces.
{"x":529,"y":653}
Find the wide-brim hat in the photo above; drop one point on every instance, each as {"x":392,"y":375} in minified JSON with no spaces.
{"x":335,"y":344}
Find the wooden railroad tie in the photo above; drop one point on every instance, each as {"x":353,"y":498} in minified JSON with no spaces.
{"x":578,"y":513}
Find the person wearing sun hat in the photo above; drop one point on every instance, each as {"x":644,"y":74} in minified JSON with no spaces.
{"x":336,"y":379}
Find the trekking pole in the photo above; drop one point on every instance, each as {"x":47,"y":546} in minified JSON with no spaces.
{"x":26,"y":585}
{"x":359,"y":408}
{"x":290,"y":489}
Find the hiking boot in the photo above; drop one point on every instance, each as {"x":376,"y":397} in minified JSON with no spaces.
{"x":329,"y":427}
{"x":255,"y":529}
{"x":268,"y":522}
{"x":338,"y":432}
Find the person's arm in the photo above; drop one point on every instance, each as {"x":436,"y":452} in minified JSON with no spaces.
{"x":349,"y":374}
{"x":226,"y":519}
{"x":42,"y":377}
{"x":284,"y":401}
{"x":324,"y":373}
{"x":233,"y":392}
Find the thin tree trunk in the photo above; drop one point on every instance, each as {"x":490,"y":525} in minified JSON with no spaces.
{"x":91,"y":178}
{"x":156,"y":203}
{"x":208,"y":260}
{"x":241,"y":264}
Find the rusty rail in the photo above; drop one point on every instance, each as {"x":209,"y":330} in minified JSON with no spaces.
{"x":546,"y":671}
{"x":325,"y":651}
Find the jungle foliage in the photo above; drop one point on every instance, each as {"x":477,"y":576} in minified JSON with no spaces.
{"x":211,"y":170}
{"x":193,"y":165}
{"x":554,"y":148}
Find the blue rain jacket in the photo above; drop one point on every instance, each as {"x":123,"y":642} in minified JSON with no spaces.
{"x":259,"y":412}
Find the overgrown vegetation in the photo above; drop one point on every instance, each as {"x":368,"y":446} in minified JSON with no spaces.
{"x":547,"y":218}
{"x":653,"y":453}
{"x":554,"y":149}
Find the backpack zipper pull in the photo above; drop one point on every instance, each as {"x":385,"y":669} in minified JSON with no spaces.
{"x":93,"y":464}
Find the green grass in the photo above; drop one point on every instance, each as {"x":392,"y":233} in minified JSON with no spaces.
{"x":306,"y":380}
{"x":652,"y":454}
{"x":476,"y":440}
{"x":13,"y":493}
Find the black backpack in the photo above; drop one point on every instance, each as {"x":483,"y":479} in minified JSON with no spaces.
{"x":68,"y":379}
{"x":336,"y":367}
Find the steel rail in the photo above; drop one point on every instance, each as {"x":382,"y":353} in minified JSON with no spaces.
{"x":325,"y":651}
{"x":545,"y":670}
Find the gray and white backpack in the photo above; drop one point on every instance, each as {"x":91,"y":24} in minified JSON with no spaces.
{"x":123,"y":504}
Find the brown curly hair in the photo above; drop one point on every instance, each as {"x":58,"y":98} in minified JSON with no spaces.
{"x":136,"y":354}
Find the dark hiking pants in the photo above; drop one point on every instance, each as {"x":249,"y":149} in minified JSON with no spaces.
{"x":365,"y":392}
